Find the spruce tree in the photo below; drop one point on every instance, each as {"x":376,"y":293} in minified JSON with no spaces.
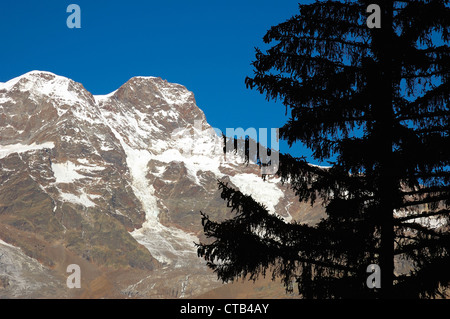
{"x":375,"y":100}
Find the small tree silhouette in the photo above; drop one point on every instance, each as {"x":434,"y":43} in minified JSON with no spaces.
{"x":377,"y":100}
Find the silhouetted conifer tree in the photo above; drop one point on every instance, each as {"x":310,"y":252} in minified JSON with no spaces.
{"x":376,"y":100}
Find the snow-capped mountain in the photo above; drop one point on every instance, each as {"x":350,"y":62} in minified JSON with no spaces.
{"x":114,"y":183}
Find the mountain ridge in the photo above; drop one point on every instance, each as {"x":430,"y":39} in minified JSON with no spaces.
{"x":117,"y":181}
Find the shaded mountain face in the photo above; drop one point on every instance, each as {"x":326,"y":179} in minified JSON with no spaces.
{"x":115,"y":184}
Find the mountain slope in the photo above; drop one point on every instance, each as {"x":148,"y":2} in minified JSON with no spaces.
{"x":117,"y":182}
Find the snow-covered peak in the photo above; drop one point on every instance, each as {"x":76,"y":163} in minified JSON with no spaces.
{"x":146,"y":77}
{"x":171,"y":93}
{"x":33,"y":76}
{"x":40,"y":73}
{"x":47,"y":84}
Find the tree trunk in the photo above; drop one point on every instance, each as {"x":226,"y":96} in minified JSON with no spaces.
{"x":386,"y":177}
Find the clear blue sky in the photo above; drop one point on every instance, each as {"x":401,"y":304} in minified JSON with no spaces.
{"x":205,"y":45}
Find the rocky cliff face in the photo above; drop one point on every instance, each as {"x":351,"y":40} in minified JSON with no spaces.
{"x":115,"y":184}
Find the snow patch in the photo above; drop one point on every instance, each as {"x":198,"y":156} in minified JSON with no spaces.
{"x":164,"y":243}
{"x":5,"y":100}
{"x":100,"y":98}
{"x":65,"y":172}
{"x":429,"y":221}
{"x":6,"y":150}
{"x":68,"y":172}
{"x":82,"y":199}
{"x":4,"y":243}
{"x":168,"y":245}
{"x":264,"y":192}
{"x":172,"y":96}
